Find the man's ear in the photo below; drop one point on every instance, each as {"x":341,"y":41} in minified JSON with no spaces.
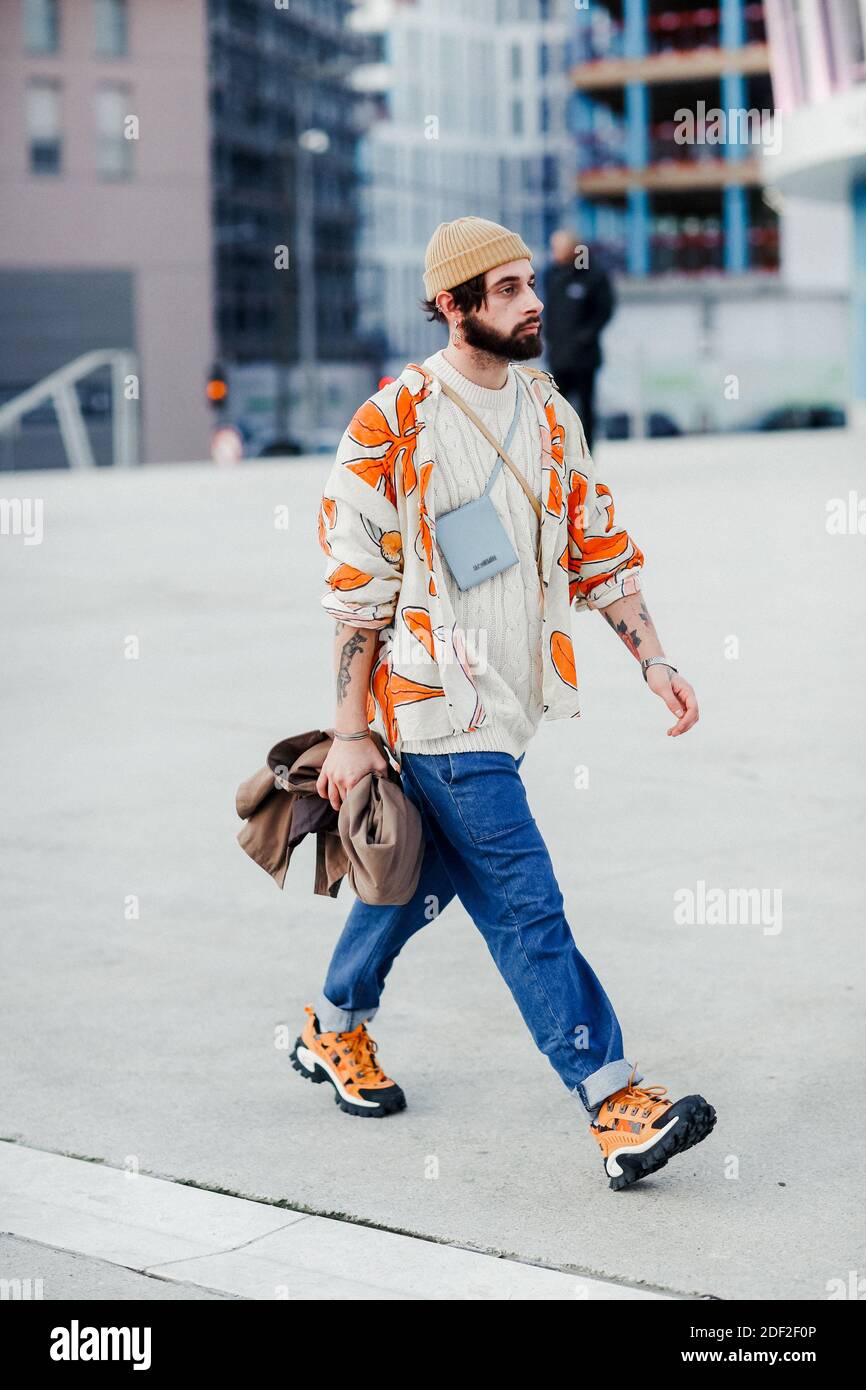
{"x":444,"y":302}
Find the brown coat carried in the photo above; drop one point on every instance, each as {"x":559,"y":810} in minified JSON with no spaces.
{"x":376,"y":837}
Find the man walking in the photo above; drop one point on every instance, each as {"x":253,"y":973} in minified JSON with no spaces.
{"x":457,"y":720}
{"x":579,"y":301}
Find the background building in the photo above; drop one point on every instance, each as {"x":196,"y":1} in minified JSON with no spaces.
{"x":105,"y":240}
{"x":252,"y":185}
{"x":819,"y":79}
{"x":651,"y":201}
{"x":538,"y":114}
{"x":473,"y":121}
{"x":286,"y":121}
{"x":672,"y":115}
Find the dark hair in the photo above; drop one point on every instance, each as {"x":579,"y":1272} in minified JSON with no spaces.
{"x":470,"y":295}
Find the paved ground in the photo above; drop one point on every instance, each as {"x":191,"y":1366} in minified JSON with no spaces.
{"x":119,"y":1234}
{"x":159,"y":1042}
{"x":63,"y":1275}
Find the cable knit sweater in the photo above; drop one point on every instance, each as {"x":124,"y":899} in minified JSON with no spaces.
{"x":503,"y":614}
{"x":376,"y":525}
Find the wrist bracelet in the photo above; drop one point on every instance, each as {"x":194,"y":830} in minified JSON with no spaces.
{"x":655,"y":661}
{"x":362,"y":733}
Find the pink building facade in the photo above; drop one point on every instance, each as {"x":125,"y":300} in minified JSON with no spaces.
{"x":105,"y":239}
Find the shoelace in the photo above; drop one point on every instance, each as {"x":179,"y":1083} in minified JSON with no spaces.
{"x":361,"y":1047}
{"x":644,"y":1096}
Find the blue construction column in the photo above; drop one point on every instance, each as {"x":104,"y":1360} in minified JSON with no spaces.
{"x":581,"y":211}
{"x":636,"y":140}
{"x":735,"y":205}
{"x":637,"y":199}
{"x":858,"y":299}
{"x":634,"y":28}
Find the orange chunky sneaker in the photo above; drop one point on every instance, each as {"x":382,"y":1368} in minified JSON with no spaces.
{"x":638,"y":1130}
{"x":348,"y":1061}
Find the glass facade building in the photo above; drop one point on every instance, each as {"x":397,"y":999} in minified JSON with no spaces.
{"x":474,"y":106}
{"x":276,"y":73}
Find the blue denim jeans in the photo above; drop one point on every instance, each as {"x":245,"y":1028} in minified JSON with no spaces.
{"x":482,"y":844}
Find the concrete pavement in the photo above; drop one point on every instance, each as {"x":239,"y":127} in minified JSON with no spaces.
{"x":166,"y":631}
{"x":135,"y":1236}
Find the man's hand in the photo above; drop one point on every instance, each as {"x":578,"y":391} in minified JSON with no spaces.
{"x":630,"y":619}
{"x":677,"y":694}
{"x":347,"y":761}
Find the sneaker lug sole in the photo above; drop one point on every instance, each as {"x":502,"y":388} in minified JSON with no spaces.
{"x":696,"y":1123}
{"x":320,"y":1073}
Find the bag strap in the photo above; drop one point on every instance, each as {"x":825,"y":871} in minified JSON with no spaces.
{"x":458,"y":400}
{"x":518,"y":398}
{"x":536,"y":505}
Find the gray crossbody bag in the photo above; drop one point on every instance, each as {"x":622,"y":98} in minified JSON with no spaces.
{"x":472,"y":537}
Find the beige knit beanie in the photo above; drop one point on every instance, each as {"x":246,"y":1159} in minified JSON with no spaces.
{"x":465,"y":247}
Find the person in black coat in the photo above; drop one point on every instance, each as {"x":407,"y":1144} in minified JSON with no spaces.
{"x":578,"y":302}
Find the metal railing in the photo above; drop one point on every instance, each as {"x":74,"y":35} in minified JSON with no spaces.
{"x":59,"y":388}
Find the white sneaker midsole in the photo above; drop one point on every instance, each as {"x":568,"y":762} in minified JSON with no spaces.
{"x":311,"y":1060}
{"x":611,"y":1163}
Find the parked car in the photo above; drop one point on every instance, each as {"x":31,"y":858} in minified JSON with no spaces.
{"x":656,"y":425}
{"x":277,"y":447}
{"x":802,"y":417}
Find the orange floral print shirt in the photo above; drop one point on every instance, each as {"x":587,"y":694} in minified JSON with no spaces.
{"x":377,"y":528}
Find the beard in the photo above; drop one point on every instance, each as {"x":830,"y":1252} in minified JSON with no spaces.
{"x":517,"y":346}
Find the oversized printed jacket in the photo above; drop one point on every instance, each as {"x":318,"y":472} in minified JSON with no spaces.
{"x":377,"y":527}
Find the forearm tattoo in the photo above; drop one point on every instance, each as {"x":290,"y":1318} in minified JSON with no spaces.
{"x":630,"y":635}
{"x":649,"y":625}
{"x":355,"y":644}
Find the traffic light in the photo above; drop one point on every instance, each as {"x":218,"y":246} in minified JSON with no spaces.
{"x":217,"y":389}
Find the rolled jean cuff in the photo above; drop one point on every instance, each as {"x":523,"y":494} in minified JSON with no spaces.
{"x":334,"y":1020}
{"x":602,"y":1083}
